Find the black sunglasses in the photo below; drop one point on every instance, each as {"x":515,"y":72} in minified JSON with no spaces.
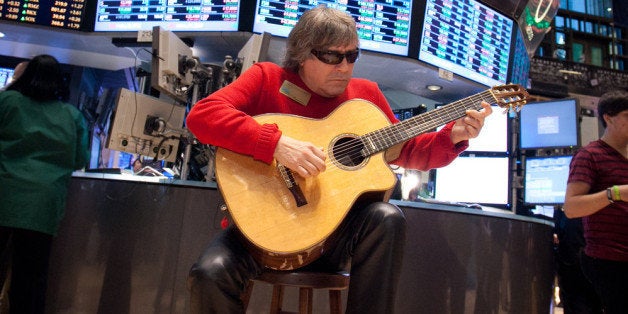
{"x":334,"y":57}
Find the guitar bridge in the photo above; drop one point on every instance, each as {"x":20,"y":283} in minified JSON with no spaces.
{"x":292,"y":185}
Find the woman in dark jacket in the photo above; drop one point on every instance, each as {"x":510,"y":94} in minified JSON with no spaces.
{"x":42,"y":140}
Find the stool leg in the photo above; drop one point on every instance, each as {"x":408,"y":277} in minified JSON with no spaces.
{"x":246,"y":296}
{"x":305,"y":300}
{"x":335,"y":304}
{"x":275,"y":304}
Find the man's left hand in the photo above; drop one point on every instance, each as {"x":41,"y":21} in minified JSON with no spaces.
{"x":470,"y":126}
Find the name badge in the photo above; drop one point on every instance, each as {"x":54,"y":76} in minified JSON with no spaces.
{"x":295,"y":93}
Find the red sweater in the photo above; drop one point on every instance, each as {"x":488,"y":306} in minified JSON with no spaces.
{"x":224,"y":118}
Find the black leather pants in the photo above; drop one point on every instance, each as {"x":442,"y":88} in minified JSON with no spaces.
{"x":370,"y":243}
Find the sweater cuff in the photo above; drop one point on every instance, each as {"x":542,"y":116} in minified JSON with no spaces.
{"x":458,"y":147}
{"x":461,"y":146}
{"x":266,"y":143}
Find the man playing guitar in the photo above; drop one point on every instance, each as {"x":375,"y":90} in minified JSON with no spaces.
{"x":315,"y":80}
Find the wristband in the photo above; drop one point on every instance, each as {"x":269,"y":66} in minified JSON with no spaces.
{"x":616,"y":195}
{"x":609,"y":195}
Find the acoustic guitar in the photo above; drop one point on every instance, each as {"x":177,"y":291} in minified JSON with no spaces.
{"x":287,"y":219}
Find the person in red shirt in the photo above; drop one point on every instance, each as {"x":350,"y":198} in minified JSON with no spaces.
{"x":597,"y":190}
{"x":315,"y":79}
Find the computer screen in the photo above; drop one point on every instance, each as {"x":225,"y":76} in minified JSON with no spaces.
{"x":520,"y":63}
{"x":132,"y":16}
{"x":172,"y":65}
{"x":549,"y":124}
{"x":407,"y":113}
{"x":5,"y":76}
{"x":168,"y":64}
{"x":383,"y":26}
{"x":145,"y":125}
{"x":474,"y":179}
{"x":255,"y":50}
{"x":467,"y":38}
{"x":545,"y":180}
{"x":494,"y":134}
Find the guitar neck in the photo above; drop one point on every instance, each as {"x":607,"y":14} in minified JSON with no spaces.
{"x":382,"y":139}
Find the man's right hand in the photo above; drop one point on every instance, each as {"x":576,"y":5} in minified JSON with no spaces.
{"x":302,"y":157}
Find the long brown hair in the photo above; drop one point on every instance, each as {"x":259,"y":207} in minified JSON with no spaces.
{"x":318,"y":28}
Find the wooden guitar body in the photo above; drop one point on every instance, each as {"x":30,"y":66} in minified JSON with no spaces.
{"x":287,"y":236}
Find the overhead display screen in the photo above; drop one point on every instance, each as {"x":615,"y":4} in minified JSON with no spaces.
{"x":468,"y":39}
{"x":383,"y":25}
{"x":69,"y":14}
{"x":520,"y":64}
{"x":172,"y":15}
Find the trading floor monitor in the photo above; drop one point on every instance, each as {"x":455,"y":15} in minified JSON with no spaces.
{"x":142,"y":124}
{"x":546,"y":180}
{"x":171,"y":64}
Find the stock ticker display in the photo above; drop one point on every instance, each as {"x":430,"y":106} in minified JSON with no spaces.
{"x":467,"y":38}
{"x":69,"y":14}
{"x":175,"y":15}
{"x":383,"y":25}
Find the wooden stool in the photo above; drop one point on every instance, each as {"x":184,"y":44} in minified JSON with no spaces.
{"x":306,"y":282}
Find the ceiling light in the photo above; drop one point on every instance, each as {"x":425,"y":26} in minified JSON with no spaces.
{"x":434,"y":87}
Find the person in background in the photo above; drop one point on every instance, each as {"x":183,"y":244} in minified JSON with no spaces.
{"x":18,"y":70}
{"x":597,"y":190}
{"x":577,"y":295}
{"x":137,"y":164}
{"x":147,"y":166}
{"x":43,"y":140}
{"x":315,"y":79}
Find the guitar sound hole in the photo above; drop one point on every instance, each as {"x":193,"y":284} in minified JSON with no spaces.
{"x":348,"y":151}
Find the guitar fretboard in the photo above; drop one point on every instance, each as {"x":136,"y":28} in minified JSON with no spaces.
{"x":382,"y":139}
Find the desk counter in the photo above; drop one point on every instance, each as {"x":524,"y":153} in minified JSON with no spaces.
{"x":125,"y":246}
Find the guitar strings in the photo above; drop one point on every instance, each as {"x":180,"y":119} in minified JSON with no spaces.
{"x":416,"y":128}
{"x":431,"y":118}
{"x":417,"y":125}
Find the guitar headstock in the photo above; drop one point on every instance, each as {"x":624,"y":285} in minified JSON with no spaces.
{"x":510,"y":96}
